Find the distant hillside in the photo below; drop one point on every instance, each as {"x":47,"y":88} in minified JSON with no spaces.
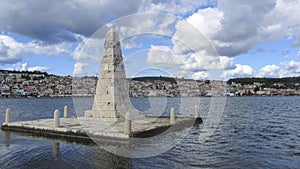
{"x":166,"y":79}
{"x":288,"y":81}
{"x":269,"y":82}
{"x":153,"y":78}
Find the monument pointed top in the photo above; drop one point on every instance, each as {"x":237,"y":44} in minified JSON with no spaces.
{"x":112,"y":35}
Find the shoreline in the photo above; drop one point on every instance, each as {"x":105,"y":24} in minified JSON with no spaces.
{"x":61,"y":97}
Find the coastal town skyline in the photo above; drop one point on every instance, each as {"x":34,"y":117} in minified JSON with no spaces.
{"x":15,"y":84}
{"x":253,"y":40}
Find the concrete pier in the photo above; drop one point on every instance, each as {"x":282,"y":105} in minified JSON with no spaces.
{"x":86,"y":128}
{"x":66,"y":112}
{"x":7,"y":116}
{"x":172,"y":116}
{"x":56,"y":121}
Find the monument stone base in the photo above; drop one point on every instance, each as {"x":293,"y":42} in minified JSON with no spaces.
{"x":97,"y":115}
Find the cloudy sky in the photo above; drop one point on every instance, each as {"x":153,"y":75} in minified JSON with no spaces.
{"x":183,"y":38}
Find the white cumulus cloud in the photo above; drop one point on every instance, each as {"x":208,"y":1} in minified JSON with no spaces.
{"x":269,"y":71}
{"x":39,"y":68}
{"x":284,"y":69}
{"x":202,"y":62}
{"x":56,"y":20}
{"x":175,"y":7}
{"x":207,"y":21}
{"x":162,"y":57}
{"x":19,"y":66}
{"x":240,"y":71}
{"x":12,"y":51}
{"x":79,"y":69}
{"x":237,"y":26}
{"x":291,"y":68}
{"x":232,"y":27}
{"x":200,"y":75}
{"x":23,"y":67}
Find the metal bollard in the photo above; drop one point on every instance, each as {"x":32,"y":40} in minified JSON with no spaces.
{"x":66,"y":112}
{"x":7,"y":116}
{"x":56,"y":119}
{"x":127,"y":124}
{"x":172,"y":116}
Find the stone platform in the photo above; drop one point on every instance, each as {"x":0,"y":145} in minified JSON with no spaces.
{"x":87,"y":128}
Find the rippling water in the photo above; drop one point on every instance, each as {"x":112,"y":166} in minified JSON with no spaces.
{"x":254,"y":132}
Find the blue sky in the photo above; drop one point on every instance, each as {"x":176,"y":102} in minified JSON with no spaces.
{"x":182,"y":38}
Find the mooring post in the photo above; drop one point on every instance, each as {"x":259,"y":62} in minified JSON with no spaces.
{"x":196,"y":111}
{"x":66,"y":112}
{"x":56,"y":119}
{"x":127,"y":129}
{"x":198,"y":119}
{"x":172,"y":116}
{"x":7,"y":116}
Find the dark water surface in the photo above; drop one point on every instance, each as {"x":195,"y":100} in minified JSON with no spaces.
{"x":254,"y":132}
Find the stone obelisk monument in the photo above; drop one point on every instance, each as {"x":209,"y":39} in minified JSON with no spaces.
{"x":111,"y":101}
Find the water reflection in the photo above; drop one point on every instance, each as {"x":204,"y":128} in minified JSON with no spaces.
{"x":7,"y":138}
{"x":103,"y":160}
{"x":56,"y":149}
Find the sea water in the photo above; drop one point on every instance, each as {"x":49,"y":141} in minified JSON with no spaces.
{"x":253,"y":132}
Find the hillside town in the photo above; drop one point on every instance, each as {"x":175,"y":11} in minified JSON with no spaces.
{"x":16,"y":84}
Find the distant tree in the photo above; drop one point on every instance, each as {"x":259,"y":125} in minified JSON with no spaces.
{"x":256,"y":89}
{"x":289,"y":82}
